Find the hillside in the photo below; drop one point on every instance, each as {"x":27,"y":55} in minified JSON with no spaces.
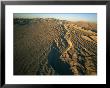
{"x":54,"y":47}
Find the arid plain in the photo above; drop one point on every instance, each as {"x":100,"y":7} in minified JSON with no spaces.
{"x":54,"y":47}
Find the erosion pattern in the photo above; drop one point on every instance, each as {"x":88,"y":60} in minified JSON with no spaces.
{"x":54,"y":47}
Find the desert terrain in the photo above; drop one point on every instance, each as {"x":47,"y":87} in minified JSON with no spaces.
{"x":54,"y":47}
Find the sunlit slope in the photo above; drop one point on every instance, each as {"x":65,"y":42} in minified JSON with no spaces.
{"x":53,"y":47}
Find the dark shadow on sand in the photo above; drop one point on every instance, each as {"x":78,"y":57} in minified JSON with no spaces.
{"x":54,"y":60}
